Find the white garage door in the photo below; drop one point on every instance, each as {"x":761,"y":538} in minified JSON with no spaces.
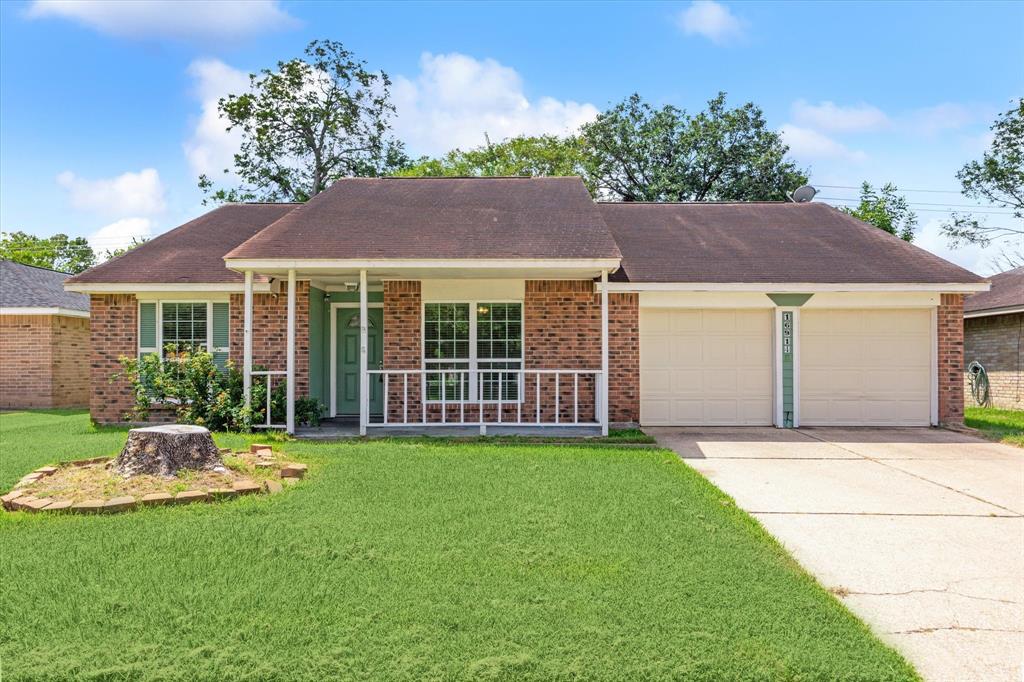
{"x":705,"y":367}
{"x":865,"y":367}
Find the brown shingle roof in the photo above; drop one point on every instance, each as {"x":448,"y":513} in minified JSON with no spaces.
{"x":765,"y":243}
{"x":1007,"y":291}
{"x":452,"y":218}
{"x":191,"y":253}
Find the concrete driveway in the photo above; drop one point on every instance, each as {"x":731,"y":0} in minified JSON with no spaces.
{"x":919,"y":531}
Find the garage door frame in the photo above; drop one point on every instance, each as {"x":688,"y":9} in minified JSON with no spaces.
{"x":933,"y":346}
{"x":769,"y":376}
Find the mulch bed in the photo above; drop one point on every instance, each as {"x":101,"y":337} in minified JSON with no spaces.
{"x":90,"y":485}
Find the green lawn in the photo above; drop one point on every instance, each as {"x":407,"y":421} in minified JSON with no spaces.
{"x":1006,"y":426}
{"x":416,"y":560}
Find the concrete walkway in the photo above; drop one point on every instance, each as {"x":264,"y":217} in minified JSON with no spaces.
{"x":918,"y":531}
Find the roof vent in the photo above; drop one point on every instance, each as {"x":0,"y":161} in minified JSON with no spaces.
{"x":801,"y":195}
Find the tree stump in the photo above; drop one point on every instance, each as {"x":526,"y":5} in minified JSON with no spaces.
{"x":163,"y":450}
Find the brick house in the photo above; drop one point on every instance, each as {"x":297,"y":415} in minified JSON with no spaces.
{"x":44,"y":340}
{"x":994,"y":337}
{"x":489,"y":302}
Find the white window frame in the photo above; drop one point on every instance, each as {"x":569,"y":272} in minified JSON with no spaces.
{"x":159,"y":350}
{"x":472,"y":361}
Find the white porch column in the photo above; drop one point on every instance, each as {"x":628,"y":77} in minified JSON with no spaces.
{"x":604,"y":352}
{"x":290,"y":419}
{"x":364,"y":379}
{"x":247,"y":333}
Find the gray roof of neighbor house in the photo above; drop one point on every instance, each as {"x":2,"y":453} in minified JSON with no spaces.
{"x":191,"y":253}
{"x":26,"y":286}
{"x":1007,"y":292}
{"x":440,"y":218}
{"x":765,"y":242}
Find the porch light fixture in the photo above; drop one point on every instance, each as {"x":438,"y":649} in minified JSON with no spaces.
{"x":352,"y":286}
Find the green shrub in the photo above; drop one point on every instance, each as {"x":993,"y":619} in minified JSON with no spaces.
{"x":203,"y":393}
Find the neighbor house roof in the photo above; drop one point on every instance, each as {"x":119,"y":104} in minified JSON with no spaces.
{"x":26,"y":286}
{"x":765,"y":243}
{"x":191,"y":253}
{"x":1006,"y":294}
{"x":440,"y":218}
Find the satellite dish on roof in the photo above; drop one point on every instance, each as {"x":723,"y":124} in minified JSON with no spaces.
{"x":803,"y":194}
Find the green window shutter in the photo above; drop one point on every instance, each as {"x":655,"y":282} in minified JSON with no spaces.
{"x":221,"y":323}
{"x":147,"y":328}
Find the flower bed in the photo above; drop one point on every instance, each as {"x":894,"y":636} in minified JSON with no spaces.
{"x":90,"y":486}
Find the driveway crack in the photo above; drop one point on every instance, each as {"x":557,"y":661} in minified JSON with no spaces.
{"x":964,"y":628}
{"x":842,"y":592}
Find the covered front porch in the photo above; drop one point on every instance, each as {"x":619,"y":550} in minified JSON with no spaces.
{"x":438,"y":348}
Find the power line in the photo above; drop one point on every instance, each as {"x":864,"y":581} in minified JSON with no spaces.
{"x":932,"y":210}
{"x":924,"y":203}
{"x":899,"y":189}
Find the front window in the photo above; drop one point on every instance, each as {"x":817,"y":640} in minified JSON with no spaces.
{"x":473,"y":338}
{"x":184,"y":325}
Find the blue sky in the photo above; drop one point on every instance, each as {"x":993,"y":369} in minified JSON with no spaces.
{"x":107,"y":109}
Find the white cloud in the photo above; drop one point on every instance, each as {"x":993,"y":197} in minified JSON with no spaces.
{"x":456,"y":99}
{"x":119,"y":234}
{"x":711,"y":20}
{"x":975,"y":258}
{"x":139,"y":193}
{"x":809,"y":145}
{"x":221,"y":19}
{"x":831,"y":117}
{"x":211,"y":148}
{"x":939,"y":118}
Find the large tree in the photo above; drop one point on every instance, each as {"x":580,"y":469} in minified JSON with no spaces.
{"x":997,"y":179}
{"x":307,"y":123}
{"x":635,"y":152}
{"x":886,"y":210}
{"x":59,"y":252}
{"x":544,"y":155}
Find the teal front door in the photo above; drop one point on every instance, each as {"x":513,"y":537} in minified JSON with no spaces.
{"x":348,"y":359}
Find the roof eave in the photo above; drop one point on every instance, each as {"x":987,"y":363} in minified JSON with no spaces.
{"x":801,"y":287}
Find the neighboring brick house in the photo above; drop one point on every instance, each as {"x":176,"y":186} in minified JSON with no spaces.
{"x":423,"y":302}
{"x":44,"y":339}
{"x":994,"y":337}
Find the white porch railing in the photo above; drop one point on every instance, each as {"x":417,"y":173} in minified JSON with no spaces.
{"x":483,"y":397}
{"x":268,"y":422}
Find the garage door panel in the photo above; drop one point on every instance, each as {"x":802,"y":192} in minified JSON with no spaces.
{"x":684,"y":349}
{"x":683,"y":321}
{"x":719,"y":351}
{"x":656,"y":381}
{"x":719,"y":361}
{"x":720,"y":382}
{"x":868,"y":367}
{"x":715,"y":321}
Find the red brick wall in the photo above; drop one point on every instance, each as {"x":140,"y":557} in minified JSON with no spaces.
{"x":70,"y":361}
{"x":26,"y":360}
{"x":403,"y":347}
{"x":561,"y":330}
{"x":997,"y":342}
{"x":270,"y":332}
{"x":951,"y":358}
{"x":113,"y":325}
{"x":624,"y":358}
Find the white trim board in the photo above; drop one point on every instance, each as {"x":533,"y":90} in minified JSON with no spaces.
{"x":129,"y":288}
{"x":64,"y":312}
{"x":994,"y":311}
{"x":611,"y":264}
{"x":791,"y":287}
